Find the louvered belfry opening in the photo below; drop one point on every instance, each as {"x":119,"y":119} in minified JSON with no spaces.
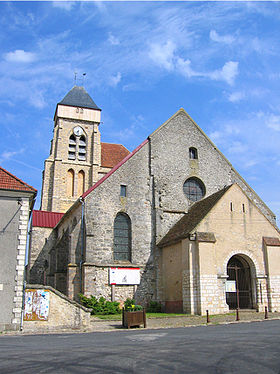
{"x":238,"y":270}
{"x":122,"y":238}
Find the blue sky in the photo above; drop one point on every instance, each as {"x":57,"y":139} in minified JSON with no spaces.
{"x":143,"y":61}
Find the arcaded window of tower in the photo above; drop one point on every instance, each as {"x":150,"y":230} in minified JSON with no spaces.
{"x":82,"y":148}
{"x":81,"y":182}
{"x":72,"y":147}
{"x":70,"y":183}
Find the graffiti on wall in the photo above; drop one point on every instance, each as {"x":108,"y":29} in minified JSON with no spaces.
{"x":37,"y":304}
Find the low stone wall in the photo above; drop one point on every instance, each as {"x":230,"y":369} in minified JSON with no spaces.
{"x":63,"y":313}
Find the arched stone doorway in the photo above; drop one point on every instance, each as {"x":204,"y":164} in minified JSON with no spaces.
{"x":240,"y":282}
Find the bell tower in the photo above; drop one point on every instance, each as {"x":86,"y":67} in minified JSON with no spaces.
{"x":75,"y":156}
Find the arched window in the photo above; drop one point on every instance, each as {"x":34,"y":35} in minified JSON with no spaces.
{"x":194,"y":189}
{"x":70,"y":182}
{"x":77,"y":145}
{"x":72,"y":147}
{"x":82,"y":148}
{"x":81,"y":182}
{"x":122,"y":238}
{"x":193,"y":153}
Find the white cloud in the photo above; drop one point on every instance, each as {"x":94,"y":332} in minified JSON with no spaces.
{"x":237,"y":96}
{"x":227,"y":39}
{"x":250,"y":163}
{"x":113,"y":40}
{"x":19,"y":55}
{"x":237,"y":147}
{"x":66,"y":5}
{"x":115,"y":80}
{"x":163,"y":54}
{"x":184,"y":66}
{"x":273,"y":122}
{"x":7,"y":155}
{"x":228,"y":72}
{"x":215,"y":136}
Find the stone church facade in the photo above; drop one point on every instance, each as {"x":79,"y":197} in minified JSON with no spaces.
{"x":172,"y":221}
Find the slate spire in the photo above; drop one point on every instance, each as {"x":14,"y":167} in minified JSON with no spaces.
{"x":79,"y":97}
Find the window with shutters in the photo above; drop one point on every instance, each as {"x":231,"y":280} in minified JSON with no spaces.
{"x":72,"y":147}
{"x":122,"y":237}
{"x":82,"y":148}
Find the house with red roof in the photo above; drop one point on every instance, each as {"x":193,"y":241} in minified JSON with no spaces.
{"x":171,"y":222}
{"x":17,"y":199}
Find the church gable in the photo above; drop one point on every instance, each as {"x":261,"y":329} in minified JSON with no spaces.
{"x":181,"y":152}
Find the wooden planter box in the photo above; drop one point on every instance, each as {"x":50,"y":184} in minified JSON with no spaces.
{"x":132,"y":319}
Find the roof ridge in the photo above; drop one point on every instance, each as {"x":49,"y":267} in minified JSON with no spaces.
{"x":18,"y":179}
{"x":114,"y":144}
{"x":46,"y":211}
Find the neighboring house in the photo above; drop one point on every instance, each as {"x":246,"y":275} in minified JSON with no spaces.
{"x":16,"y":202}
{"x":173,"y":221}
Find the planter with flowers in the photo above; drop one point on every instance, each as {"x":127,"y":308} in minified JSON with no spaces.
{"x":133,"y":315}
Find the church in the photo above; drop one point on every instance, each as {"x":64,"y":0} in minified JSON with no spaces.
{"x":171,"y":221}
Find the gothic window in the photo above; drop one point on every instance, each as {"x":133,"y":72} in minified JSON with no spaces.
{"x":77,"y":145}
{"x":194,"y":189}
{"x":81,"y":182}
{"x":70,"y":183}
{"x":72,"y":147}
{"x":193,"y":153}
{"x":82,"y":148}
{"x":122,"y":238}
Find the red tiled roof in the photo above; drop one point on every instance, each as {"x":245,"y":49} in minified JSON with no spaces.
{"x":42,"y":218}
{"x":112,"y":154}
{"x":114,"y":168}
{"x":9,"y":181}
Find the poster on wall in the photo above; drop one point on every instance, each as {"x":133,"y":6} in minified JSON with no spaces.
{"x":129,"y":276}
{"x":36,"y":305}
{"x":230,"y":286}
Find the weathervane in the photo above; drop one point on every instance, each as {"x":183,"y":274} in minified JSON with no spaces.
{"x":79,"y":79}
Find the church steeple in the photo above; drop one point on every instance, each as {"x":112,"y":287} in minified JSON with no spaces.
{"x":79,"y":97}
{"x":75,"y":159}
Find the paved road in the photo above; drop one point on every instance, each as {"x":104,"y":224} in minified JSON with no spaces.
{"x":234,"y":348}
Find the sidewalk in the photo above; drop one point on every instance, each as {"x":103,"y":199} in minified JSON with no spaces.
{"x":184,"y":321}
{"x":99,"y":325}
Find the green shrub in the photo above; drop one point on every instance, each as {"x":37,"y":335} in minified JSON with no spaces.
{"x":154,"y":307}
{"x":101,"y":306}
{"x":130,"y":305}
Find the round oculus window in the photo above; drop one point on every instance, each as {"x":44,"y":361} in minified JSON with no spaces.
{"x":194,"y":189}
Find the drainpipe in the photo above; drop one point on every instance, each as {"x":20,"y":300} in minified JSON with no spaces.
{"x":82,"y":241}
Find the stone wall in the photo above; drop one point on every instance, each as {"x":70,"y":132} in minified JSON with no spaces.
{"x":64,"y":314}
{"x":42,"y":240}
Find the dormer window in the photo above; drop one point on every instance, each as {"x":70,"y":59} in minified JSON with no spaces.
{"x":193,"y":153}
